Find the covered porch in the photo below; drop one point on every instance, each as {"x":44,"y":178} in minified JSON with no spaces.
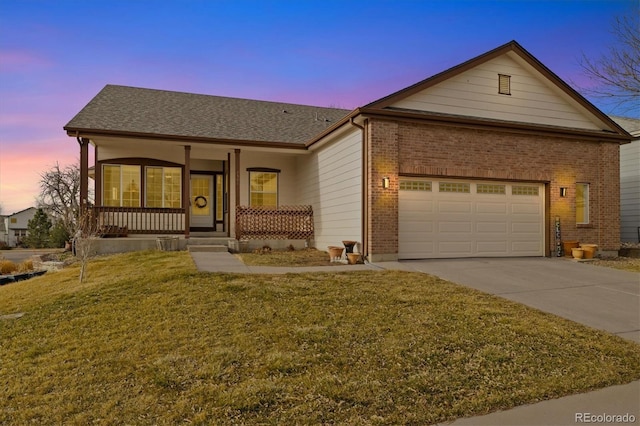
{"x":161,"y":188}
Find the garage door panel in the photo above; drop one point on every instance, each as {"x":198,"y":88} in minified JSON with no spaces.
{"x":521,"y":208}
{"x":494,"y":247}
{"x":526,"y":248}
{"x":492,"y":227}
{"x":487,"y":219}
{"x":452,"y":207}
{"x":459,"y":248}
{"x":491,"y":208}
{"x":454,"y":227}
{"x":526,"y":228}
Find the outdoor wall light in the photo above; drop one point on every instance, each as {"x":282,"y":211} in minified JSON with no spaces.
{"x":563,"y":192}
{"x":385,"y":182}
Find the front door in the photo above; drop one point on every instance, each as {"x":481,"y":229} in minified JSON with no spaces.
{"x":202,"y":201}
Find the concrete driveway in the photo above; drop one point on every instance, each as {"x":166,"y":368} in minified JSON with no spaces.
{"x":602,"y":298}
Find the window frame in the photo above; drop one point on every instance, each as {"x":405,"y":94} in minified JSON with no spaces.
{"x":264,"y":170}
{"x":121,"y":186}
{"x":164,"y":183}
{"x":504,"y":84}
{"x":582,"y":206}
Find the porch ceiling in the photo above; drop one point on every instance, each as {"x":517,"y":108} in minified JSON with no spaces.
{"x":163,"y":149}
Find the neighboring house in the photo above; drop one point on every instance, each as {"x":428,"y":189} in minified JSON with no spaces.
{"x":630,"y":182}
{"x":17,"y":225}
{"x":476,"y":161}
{"x":4,"y":235}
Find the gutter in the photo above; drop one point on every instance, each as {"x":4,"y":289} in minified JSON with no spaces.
{"x":365,"y":189}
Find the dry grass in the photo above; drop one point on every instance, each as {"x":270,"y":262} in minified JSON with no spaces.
{"x":9,"y":267}
{"x":149,"y":340}
{"x":306,"y":257}
{"x":624,"y":263}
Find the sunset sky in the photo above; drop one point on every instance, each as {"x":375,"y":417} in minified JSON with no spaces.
{"x":56,"y":55}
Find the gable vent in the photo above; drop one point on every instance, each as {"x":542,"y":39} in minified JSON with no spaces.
{"x":504,"y":84}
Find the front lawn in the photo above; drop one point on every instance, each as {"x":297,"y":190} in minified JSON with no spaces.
{"x":149,"y":340}
{"x":306,"y":257}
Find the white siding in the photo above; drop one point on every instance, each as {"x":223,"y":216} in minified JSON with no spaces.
{"x":474,"y":93}
{"x":330,"y":179}
{"x":630,"y":191}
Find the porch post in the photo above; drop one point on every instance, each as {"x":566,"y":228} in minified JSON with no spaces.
{"x":237,"y":189}
{"x":84,"y":173}
{"x":186,"y":190}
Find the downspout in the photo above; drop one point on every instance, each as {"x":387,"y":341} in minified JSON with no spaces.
{"x":365,"y":189}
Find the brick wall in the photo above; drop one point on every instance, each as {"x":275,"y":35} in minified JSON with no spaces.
{"x":382,"y":219}
{"x":397,"y":148}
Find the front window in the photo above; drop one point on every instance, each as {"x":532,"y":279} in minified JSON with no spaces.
{"x":163,"y":187}
{"x":263,"y":188}
{"x":582,"y":203}
{"x":121,"y":185}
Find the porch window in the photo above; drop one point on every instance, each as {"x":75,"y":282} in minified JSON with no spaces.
{"x":121,"y":185}
{"x":263,"y":187}
{"x":163,"y":187}
{"x":582,"y":203}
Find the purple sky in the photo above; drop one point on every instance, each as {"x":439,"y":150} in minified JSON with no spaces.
{"x":56,"y":55}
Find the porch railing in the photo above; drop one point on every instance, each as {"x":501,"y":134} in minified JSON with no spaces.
{"x":138,"y":220}
{"x":282,"y":223}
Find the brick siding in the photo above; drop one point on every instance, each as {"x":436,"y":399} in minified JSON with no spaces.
{"x":406,"y":148}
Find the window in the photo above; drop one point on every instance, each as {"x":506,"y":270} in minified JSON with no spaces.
{"x":582,"y":203}
{"x":163,"y":187}
{"x":415,"y":185}
{"x":524,"y":190}
{"x":485,"y":188}
{"x":504,"y":84}
{"x":454,"y":187}
{"x":263,"y":187}
{"x":121,"y":185}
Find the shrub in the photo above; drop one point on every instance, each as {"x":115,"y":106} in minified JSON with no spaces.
{"x":7,"y":267}
{"x":26,"y":266}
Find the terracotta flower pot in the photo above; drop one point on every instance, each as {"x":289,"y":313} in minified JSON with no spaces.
{"x":568,"y":245}
{"x":577,"y":253}
{"x":589,"y":250}
{"x":353,"y":258}
{"x":335,"y":253}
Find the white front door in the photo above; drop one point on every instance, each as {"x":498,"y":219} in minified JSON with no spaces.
{"x":202,"y":201}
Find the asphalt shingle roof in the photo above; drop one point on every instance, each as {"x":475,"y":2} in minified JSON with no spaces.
{"x":139,"y":111}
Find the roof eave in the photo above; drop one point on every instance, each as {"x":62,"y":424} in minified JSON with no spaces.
{"x":477,"y":123}
{"x":92,"y":133}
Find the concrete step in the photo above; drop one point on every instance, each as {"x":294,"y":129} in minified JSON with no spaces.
{"x":207,"y":248}
{"x":207,"y":241}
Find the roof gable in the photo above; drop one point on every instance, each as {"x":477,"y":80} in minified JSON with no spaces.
{"x":132,"y":111}
{"x":470,"y":89}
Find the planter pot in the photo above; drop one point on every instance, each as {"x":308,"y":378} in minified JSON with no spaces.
{"x":568,"y":245}
{"x":353,"y":258}
{"x":335,"y":253}
{"x":349,"y":245}
{"x":589,"y":250}
{"x":577,"y":253}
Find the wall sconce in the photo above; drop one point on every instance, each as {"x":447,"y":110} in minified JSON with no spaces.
{"x":385,"y":182}
{"x":563,"y":192}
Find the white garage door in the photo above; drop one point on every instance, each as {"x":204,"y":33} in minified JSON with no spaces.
{"x":454,"y":218}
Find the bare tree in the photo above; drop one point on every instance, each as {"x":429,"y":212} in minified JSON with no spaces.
{"x":60,"y":195}
{"x":86,"y":232}
{"x":617,"y":74}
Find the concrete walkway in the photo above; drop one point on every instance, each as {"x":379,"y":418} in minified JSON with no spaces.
{"x":599,"y":297}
